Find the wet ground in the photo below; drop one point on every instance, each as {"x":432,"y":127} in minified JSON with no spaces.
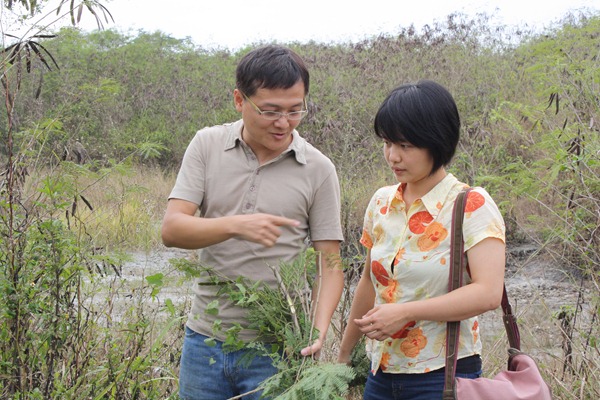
{"x":538,"y":290}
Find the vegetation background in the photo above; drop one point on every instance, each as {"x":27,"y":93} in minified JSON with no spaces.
{"x":95,"y":125}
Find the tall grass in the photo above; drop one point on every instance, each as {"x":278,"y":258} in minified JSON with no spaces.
{"x":76,"y":323}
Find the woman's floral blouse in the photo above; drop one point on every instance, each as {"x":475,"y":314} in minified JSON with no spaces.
{"x":410,"y":255}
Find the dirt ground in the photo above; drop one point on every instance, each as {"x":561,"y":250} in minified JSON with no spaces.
{"x":535,"y":286}
{"x":538,"y":290}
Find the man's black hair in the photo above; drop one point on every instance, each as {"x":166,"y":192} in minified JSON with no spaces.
{"x":271,"y":67}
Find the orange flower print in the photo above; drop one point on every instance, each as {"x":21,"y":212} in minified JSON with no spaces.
{"x":380,"y":273}
{"x":385,"y":361}
{"x":402,"y":333}
{"x":378,"y":233}
{"x":366,"y":239}
{"x":383,"y":210}
{"x":419,"y":221}
{"x":398,"y":195}
{"x":389,"y":293}
{"x":475,"y":330}
{"x":474,"y":201}
{"x":414,"y":343}
{"x":432,"y":237}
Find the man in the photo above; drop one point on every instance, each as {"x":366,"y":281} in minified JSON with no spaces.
{"x":261,"y":191}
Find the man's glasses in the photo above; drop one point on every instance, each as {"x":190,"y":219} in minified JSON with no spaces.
{"x":275,"y":115}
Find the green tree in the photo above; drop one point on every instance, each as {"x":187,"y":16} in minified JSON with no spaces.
{"x":41,"y":258}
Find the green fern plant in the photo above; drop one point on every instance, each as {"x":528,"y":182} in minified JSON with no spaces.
{"x":310,"y":380}
{"x":283,"y":317}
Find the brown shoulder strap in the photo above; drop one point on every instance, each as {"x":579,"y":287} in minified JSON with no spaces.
{"x":455,"y":281}
{"x":457,"y":261}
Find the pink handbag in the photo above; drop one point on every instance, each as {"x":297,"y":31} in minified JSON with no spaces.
{"x":522,"y":380}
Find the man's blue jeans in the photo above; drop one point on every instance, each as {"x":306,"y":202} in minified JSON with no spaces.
{"x":208,"y":373}
{"x":427,"y":386}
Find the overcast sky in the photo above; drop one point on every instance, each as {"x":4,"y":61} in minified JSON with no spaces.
{"x":234,"y":23}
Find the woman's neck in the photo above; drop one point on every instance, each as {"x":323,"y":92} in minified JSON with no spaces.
{"x":415,"y":190}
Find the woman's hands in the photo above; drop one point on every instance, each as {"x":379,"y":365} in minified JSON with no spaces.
{"x":383,"y":321}
{"x":482,"y":294}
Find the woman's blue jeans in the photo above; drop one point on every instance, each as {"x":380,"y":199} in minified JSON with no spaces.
{"x":208,"y":373}
{"x":426,"y":386}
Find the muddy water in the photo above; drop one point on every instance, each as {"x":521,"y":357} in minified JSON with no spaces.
{"x":537,"y":290}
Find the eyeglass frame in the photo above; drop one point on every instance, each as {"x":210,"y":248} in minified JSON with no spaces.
{"x":279,"y":114}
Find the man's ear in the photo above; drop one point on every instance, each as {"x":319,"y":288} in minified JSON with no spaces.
{"x":238,"y":99}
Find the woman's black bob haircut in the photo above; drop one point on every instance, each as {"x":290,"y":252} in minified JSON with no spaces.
{"x":423,"y":114}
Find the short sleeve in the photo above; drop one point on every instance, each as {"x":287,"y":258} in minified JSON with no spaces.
{"x":482,"y":219}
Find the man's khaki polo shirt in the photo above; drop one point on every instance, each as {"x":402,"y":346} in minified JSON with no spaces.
{"x":221,"y":174}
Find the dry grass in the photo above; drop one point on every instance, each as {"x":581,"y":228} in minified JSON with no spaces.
{"x":538,"y":289}
{"x":119,"y":209}
{"x":128,"y":207}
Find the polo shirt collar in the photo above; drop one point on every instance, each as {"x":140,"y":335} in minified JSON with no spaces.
{"x":234,"y":134}
{"x":298,"y":145}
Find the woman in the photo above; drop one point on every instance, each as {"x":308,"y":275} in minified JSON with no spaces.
{"x":402,"y":302}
